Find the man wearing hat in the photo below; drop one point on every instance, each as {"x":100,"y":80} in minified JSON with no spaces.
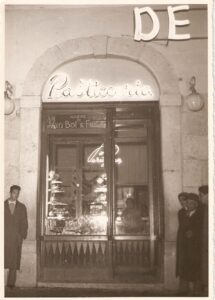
{"x":15,"y":231}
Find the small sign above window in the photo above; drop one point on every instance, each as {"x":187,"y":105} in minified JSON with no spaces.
{"x":74,"y":121}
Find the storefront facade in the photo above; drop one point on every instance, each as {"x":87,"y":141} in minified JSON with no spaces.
{"x":99,"y":153}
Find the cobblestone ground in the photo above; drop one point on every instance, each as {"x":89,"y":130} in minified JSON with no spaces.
{"x":66,"y":292}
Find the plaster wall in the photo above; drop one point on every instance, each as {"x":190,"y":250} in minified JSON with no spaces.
{"x":31,"y":31}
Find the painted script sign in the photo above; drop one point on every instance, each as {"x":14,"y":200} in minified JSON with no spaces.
{"x":60,"y":89}
{"x":74,"y":121}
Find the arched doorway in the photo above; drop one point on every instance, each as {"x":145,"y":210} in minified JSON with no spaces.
{"x":100,"y":195}
{"x":120,"y":47}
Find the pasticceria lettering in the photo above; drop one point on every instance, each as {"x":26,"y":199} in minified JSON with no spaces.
{"x":59,"y":87}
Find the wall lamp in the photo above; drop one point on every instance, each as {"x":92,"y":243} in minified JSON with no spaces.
{"x":8,"y":99}
{"x":194,"y":99}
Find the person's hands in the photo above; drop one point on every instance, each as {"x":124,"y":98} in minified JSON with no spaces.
{"x":189,"y":234}
{"x":19,"y":238}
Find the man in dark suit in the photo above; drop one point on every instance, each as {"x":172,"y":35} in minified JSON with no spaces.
{"x":182,"y":215}
{"x":191,"y":245}
{"x":15,"y":230}
{"x":203,"y":196}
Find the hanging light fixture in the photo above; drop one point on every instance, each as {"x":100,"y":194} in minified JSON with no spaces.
{"x":8,"y":97}
{"x":194,"y":99}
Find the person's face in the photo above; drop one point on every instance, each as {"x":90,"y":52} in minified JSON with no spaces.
{"x":203,"y":198}
{"x":191,"y":204}
{"x":14,"y":195}
{"x":183,"y":202}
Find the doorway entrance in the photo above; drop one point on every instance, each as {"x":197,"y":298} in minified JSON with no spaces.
{"x":100,"y":205}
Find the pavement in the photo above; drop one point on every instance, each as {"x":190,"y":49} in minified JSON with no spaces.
{"x":77,"y":292}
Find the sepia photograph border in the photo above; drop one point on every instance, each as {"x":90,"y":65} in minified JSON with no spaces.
{"x":211,"y":124}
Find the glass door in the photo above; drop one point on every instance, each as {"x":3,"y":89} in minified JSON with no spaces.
{"x":74,"y":244}
{"x":76,"y":214}
{"x":134,"y":233}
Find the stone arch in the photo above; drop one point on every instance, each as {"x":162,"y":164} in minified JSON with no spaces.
{"x":30,"y":139}
{"x":104,"y":46}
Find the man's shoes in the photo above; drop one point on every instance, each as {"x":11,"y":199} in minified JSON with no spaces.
{"x":10,"y":286}
{"x":182,"y":293}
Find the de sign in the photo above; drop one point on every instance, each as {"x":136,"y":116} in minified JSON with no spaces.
{"x":173,"y":23}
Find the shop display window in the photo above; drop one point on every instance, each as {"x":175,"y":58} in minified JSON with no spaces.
{"x":98,"y":173}
{"x":77,"y":192}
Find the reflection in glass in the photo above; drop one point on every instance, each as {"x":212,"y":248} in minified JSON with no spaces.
{"x":132,"y":210}
{"x":131,"y":217}
{"x":131,"y":179}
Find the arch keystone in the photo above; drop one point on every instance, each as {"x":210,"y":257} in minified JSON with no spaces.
{"x":76,"y":48}
{"x":99,"y":44}
{"x":124,"y":47}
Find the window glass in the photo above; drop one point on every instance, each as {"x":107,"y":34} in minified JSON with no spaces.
{"x":77,"y":189}
{"x":77,"y":181}
{"x":131,"y":178}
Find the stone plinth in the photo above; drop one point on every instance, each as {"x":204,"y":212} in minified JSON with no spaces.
{"x":26,"y":276}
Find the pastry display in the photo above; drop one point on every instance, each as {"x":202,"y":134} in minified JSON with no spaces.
{"x":93,"y":218}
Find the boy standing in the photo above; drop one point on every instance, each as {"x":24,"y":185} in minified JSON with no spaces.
{"x":15,"y":230}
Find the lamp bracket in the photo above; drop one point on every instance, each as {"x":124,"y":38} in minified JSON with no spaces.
{"x":192,"y":85}
{"x":8,"y":93}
